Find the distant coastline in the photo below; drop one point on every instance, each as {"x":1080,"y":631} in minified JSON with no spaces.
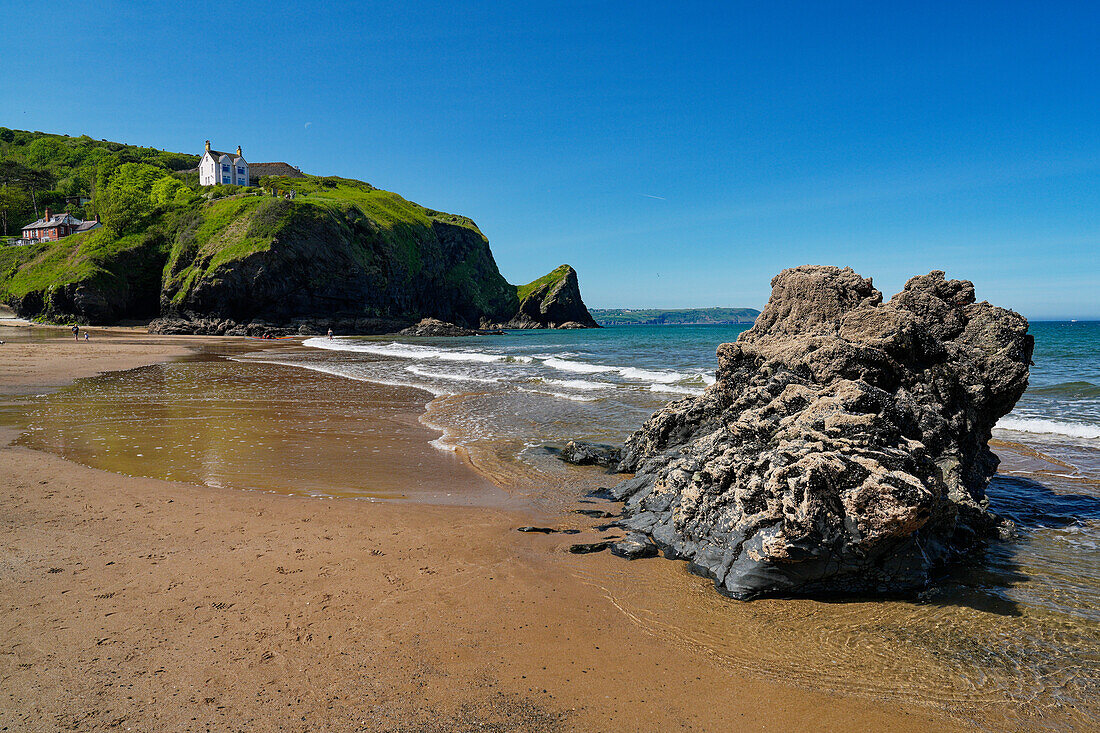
{"x":673,"y":317}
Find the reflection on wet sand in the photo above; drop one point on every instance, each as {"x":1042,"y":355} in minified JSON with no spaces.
{"x":255,"y":426}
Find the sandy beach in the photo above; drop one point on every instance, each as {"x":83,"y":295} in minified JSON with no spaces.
{"x":141,"y":604}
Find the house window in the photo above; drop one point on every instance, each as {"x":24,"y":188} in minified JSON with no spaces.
{"x":240,"y":170}
{"x":225,"y":168}
{"x":225,"y":179}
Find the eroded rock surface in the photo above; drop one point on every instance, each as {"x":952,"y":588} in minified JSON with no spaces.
{"x":584,"y":453}
{"x":843,"y":447}
{"x":436,"y":327}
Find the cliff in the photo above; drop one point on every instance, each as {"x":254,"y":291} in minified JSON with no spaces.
{"x":552,"y":301}
{"x":340,"y":250}
{"x":212,"y":260}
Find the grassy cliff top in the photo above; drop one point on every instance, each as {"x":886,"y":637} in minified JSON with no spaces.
{"x":552,"y":277}
{"x":385,"y":207}
{"x":39,"y":170}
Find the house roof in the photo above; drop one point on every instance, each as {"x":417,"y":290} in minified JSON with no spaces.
{"x":54,"y":220}
{"x":232,"y":156}
{"x":86,"y":225}
{"x":259,"y":170}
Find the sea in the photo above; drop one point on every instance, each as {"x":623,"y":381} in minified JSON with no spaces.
{"x":1017,"y":629}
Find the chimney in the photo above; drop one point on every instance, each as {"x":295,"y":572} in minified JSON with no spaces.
{"x":97,"y":218}
{"x":208,"y":146}
{"x":47,"y":215}
{"x":238,"y":151}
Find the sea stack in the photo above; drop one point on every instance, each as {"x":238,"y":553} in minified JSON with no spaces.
{"x":552,"y":301}
{"x":844,"y":446}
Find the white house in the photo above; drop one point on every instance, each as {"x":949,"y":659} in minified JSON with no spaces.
{"x":222,"y":169}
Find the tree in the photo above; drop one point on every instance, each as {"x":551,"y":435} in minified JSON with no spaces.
{"x":166,"y":189}
{"x":15,"y":180}
{"x":13,"y":205}
{"x":129,"y":196}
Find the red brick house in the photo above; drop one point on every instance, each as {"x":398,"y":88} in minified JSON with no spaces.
{"x":53,"y":227}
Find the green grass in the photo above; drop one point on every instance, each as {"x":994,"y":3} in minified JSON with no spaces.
{"x":217,"y":234}
{"x":72,"y":259}
{"x":553,"y":276}
{"x":386,"y":208}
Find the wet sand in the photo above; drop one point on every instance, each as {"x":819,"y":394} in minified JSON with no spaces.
{"x":144,"y":604}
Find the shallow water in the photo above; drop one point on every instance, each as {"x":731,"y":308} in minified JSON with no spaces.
{"x":1018,"y":632}
{"x":221,"y":423}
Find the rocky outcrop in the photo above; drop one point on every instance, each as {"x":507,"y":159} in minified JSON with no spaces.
{"x":436,"y":327}
{"x":584,"y":453}
{"x":843,"y":447}
{"x":552,"y":301}
{"x":193,"y":323}
{"x":634,"y":547}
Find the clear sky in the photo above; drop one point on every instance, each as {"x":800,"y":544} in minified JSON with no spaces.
{"x":678,"y":154}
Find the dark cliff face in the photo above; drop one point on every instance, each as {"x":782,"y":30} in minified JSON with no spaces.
{"x":552,"y":301}
{"x":844,"y":446}
{"x":326,"y":262}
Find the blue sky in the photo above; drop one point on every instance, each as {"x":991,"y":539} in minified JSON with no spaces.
{"x":676,"y":154}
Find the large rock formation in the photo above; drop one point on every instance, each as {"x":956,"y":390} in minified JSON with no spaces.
{"x":552,"y":301}
{"x":436,"y":327}
{"x":844,"y":445}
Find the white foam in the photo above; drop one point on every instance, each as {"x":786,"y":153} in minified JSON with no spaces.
{"x":435,"y":391}
{"x":447,"y":375}
{"x":560,"y":395}
{"x":648,"y":375}
{"x":1040,"y":426}
{"x":440,"y":443}
{"x":407,"y":351}
{"x":642,"y":375}
{"x":578,"y":366}
{"x":578,"y":384}
{"x":675,"y":389}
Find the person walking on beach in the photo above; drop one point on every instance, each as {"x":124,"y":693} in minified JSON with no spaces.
{"x":86,"y":338}
{"x":76,"y":332}
{"x":330,"y":334}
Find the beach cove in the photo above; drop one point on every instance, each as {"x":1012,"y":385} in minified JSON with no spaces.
{"x":411,"y":603}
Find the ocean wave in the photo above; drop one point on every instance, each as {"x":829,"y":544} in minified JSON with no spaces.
{"x":649,"y":375}
{"x":1071,"y":390}
{"x":452,"y":377}
{"x":579,"y":384}
{"x":410,"y":351}
{"x":580,"y":367}
{"x":434,"y":391}
{"x":560,"y":395}
{"x":675,"y":389}
{"x":642,"y":375}
{"x":1041,"y":426}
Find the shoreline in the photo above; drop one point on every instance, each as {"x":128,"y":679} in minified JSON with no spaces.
{"x":160,"y":604}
